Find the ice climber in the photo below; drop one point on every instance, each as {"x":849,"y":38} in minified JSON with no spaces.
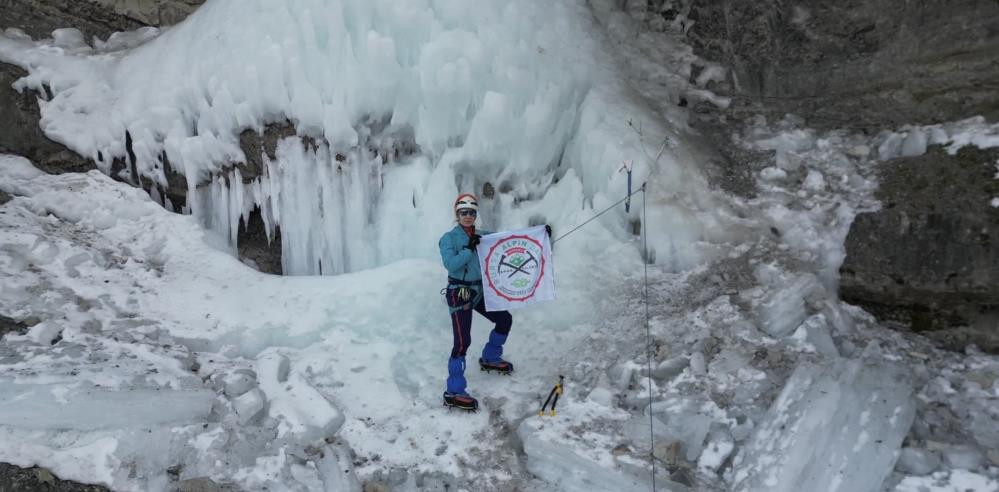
{"x":464,"y":293}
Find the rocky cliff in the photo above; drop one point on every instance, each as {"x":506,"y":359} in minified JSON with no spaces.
{"x":99,"y":18}
{"x":927,"y":260}
{"x":856,"y":64}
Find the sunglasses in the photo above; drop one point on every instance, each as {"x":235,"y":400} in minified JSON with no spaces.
{"x":468,"y":213}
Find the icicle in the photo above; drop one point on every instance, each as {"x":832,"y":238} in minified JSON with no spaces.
{"x":154,"y":193}
{"x":235,"y":206}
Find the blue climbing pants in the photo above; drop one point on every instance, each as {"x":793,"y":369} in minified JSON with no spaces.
{"x":461,"y":329}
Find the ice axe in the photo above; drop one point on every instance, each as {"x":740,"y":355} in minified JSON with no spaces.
{"x":556,"y":392}
{"x":516,"y":268}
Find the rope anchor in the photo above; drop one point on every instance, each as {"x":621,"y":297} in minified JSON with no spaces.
{"x":556,"y":392}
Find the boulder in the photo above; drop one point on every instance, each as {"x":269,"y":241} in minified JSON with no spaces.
{"x":930,"y":257}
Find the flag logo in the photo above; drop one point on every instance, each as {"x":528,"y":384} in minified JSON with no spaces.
{"x":515,"y":266}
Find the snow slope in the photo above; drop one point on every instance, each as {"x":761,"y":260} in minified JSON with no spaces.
{"x":140,"y":307}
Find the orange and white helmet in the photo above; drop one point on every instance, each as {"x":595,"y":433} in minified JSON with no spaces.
{"x":466,"y":201}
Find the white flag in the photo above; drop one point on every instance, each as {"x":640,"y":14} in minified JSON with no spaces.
{"x":517,"y":268}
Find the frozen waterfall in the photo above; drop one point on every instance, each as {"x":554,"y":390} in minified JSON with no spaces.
{"x":515,"y":94}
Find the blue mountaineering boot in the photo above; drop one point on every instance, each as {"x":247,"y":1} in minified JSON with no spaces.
{"x":492,"y":355}
{"x":455,"y":395}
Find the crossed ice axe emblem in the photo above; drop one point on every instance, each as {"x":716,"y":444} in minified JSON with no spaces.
{"x":518,"y":268}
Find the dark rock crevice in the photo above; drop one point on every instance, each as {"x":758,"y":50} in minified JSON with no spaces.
{"x":253,"y":244}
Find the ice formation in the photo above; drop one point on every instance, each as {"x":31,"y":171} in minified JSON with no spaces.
{"x":397,"y":108}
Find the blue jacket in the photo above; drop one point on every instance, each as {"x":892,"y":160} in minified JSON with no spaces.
{"x":461,"y":262}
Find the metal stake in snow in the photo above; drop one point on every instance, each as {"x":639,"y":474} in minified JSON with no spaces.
{"x":648,"y":332}
{"x":627,"y":204}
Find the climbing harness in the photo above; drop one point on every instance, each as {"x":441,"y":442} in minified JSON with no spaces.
{"x":556,"y":392}
{"x":461,"y":295}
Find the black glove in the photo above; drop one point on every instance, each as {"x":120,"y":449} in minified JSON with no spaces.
{"x":548,"y":229}
{"x":473,"y":241}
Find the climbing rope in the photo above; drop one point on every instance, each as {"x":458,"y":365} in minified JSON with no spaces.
{"x":648,"y":332}
{"x":648,"y":336}
{"x":591,"y":219}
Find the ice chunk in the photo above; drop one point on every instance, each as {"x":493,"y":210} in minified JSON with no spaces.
{"x":891,"y":147}
{"x":698,"y":366}
{"x":603,"y":394}
{"x":814,"y":181}
{"x":670,"y":368}
{"x":914,"y":143}
{"x":239,"y":382}
{"x":938,"y":136}
{"x":785,"y":309}
{"x":296,"y":404}
{"x":773,"y":174}
{"x":963,"y":456}
{"x":683,"y":422}
{"x":87,"y":407}
{"x":68,"y":38}
{"x":839,"y":424}
{"x":949,"y":481}
{"x":563,"y":465}
{"x":715,"y":453}
{"x":814,"y":333}
{"x":248,"y":405}
{"x":918,"y":461}
{"x":336,"y":469}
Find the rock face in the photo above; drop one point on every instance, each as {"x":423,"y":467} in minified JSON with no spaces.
{"x":8,"y":325}
{"x":16,"y":479}
{"x":930,"y":257}
{"x":20,"y":133}
{"x":152,"y":12}
{"x":855,"y":63}
{"x":93,"y":17}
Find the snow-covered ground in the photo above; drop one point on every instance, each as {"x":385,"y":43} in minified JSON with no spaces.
{"x":154,"y":355}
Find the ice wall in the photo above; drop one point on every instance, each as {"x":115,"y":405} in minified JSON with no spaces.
{"x":518,"y":94}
